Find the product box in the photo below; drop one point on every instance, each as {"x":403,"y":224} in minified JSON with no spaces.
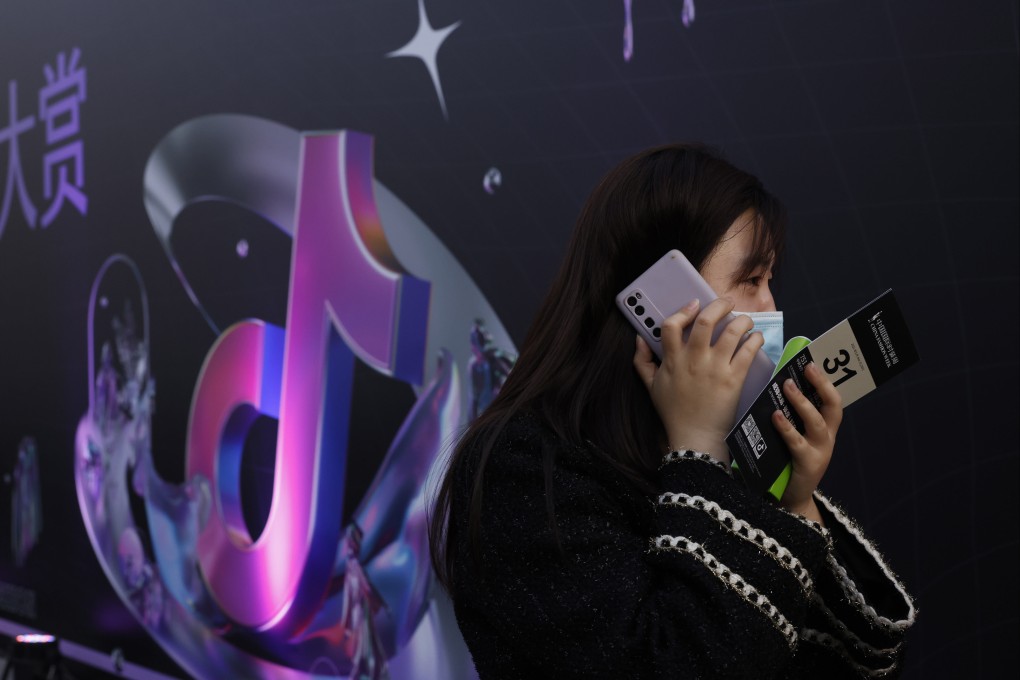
{"x":860,"y":353}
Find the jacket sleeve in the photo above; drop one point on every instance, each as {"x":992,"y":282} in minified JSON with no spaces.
{"x":702,"y":580}
{"x":860,"y":611}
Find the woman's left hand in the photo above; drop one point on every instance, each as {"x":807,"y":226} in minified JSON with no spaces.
{"x":811,"y":451}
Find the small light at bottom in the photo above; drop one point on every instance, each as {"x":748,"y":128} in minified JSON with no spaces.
{"x":35,"y":638}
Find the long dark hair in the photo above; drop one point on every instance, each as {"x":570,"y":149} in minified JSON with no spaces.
{"x":575,"y":370}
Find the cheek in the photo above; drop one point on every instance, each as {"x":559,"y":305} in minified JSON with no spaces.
{"x":745,"y":302}
{"x":753,"y":298}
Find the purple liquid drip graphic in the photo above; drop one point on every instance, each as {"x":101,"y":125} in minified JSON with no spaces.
{"x":686,"y":18}
{"x":628,"y":30}
{"x":687,"y":13}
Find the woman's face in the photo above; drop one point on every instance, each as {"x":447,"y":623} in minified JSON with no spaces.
{"x":723,"y":266}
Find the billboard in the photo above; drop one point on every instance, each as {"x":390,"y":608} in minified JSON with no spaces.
{"x":260,"y":263}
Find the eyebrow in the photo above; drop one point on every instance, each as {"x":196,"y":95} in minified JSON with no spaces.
{"x":750,"y":264}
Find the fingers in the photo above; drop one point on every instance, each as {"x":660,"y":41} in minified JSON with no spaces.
{"x":820,"y":425}
{"x":673,"y":326}
{"x":735,"y":332}
{"x":832,"y":403}
{"x":815,"y":426}
{"x":644,"y":362}
{"x":812,"y":450}
{"x":710,"y":316}
{"x":794,"y":439}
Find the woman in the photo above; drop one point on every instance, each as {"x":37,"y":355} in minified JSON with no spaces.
{"x":589,"y":526}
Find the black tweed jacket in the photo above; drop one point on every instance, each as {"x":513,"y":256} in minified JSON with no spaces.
{"x":702,"y":581}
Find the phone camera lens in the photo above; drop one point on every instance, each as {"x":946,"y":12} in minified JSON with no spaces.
{"x":657,"y":332}
{"x":639,"y":310}
{"x":631,"y":301}
{"x":649,"y":322}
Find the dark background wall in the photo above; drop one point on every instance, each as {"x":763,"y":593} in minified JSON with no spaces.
{"x":889,"y":128}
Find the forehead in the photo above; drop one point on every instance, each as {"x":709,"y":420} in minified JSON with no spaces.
{"x":735,"y":251}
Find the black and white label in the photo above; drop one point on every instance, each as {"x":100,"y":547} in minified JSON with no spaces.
{"x":753,"y":435}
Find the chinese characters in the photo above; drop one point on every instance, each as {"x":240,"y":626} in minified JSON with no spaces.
{"x":63,"y":162}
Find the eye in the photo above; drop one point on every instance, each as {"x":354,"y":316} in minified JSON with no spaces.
{"x":753,"y":281}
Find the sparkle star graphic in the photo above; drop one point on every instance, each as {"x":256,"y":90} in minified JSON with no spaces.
{"x":425,"y":46}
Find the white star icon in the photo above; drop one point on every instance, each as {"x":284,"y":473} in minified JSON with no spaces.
{"x":425,"y":46}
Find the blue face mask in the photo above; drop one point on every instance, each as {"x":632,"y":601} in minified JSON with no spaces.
{"x":770,"y":325}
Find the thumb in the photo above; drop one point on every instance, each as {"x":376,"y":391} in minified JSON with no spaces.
{"x":644,"y":361}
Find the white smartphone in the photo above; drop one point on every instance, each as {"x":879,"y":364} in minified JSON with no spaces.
{"x":661,"y":291}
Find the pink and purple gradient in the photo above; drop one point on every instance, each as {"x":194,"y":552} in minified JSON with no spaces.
{"x":399,"y":628}
{"x":344,"y":302}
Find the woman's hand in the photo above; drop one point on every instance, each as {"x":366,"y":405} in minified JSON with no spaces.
{"x":812,"y":450}
{"x":697,"y":386}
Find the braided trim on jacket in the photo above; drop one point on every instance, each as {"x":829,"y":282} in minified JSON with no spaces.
{"x":826,"y":640}
{"x":770,"y":546}
{"x":849,"y":636}
{"x":687,"y":454}
{"x":809,"y":523}
{"x":731,"y":579}
{"x":850,"y":589}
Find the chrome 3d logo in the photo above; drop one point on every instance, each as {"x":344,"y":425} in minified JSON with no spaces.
{"x":318,"y":591}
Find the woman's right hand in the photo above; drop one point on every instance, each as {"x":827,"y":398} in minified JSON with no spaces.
{"x":697,"y":386}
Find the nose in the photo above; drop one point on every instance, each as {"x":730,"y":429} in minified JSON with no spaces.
{"x":766,"y":303}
